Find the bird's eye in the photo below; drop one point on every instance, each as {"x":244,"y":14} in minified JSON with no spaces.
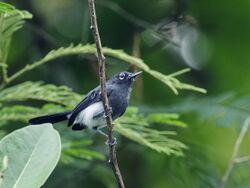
{"x":121,"y":76}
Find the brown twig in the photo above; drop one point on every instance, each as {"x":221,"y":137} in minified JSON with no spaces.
{"x":101,"y":60}
{"x":234,"y":159}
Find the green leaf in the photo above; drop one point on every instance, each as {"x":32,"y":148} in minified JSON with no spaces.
{"x":132,"y":125}
{"x":38,"y":91}
{"x":136,"y":128}
{"x":159,"y":141}
{"x":73,"y":150}
{"x":17,"y":113}
{"x":166,"y":118}
{"x":168,"y":80}
{"x":24,"y":113}
{"x":33,"y":153}
{"x":4,"y":166}
{"x":7,"y":8}
{"x":11,"y":20}
{"x":227,"y":109}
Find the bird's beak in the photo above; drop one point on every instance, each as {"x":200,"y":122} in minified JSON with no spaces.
{"x":135,"y":74}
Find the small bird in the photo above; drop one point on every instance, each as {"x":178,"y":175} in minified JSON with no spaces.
{"x":89,"y":113}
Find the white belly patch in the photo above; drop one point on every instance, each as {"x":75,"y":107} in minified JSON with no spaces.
{"x":85,"y":117}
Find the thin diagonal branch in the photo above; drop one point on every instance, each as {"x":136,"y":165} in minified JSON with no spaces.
{"x":134,"y":20}
{"x":234,"y":158}
{"x":101,"y":61}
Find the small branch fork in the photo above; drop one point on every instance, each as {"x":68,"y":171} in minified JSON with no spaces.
{"x":101,"y":60}
{"x":235,"y":159}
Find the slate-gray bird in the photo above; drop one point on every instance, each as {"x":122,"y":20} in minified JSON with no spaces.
{"x":89,"y":113}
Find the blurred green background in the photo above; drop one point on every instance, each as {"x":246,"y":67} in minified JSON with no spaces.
{"x":221,"y":30}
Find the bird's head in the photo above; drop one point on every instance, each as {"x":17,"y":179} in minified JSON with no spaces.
{"x":125,"y":77}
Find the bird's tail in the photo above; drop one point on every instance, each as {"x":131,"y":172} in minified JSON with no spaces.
{"x":53,"y":118}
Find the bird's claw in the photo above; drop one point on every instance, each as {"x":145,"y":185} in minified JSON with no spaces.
{"x":109,"y":112}
{"x":111,"y":143}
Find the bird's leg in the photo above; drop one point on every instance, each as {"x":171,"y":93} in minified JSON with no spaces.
{"x":102,"y":133}
{"x":98,"y":129}
{"x":112,"y":142}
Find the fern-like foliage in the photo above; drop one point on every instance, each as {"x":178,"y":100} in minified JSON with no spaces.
{"x":166,"y":118}
{"x":17,"y":113}
{"x":135,"y":127}
{"x":132,"y":125}
{"x":227,"y":109}
{"x":11,"y":20}
{"x":23,"y":112}
{"x":79,"y":150}
{"x":14,"y":100}
{"x":37,"y":91}
{"x":7,"y":8}
{"x":169,"y":80}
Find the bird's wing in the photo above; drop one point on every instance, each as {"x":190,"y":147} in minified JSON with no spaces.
{"x":92,"y":97}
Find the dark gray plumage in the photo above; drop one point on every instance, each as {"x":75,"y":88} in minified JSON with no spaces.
{"x":89,"y":113}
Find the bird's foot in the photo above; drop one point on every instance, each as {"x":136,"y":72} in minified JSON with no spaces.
{"x":111,"y":143}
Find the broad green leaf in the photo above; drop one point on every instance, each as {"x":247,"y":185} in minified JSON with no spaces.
{"x":4,"y":166}
{"x":32,"y":153}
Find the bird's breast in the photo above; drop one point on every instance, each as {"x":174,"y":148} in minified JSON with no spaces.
{"x":86,"y":116}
